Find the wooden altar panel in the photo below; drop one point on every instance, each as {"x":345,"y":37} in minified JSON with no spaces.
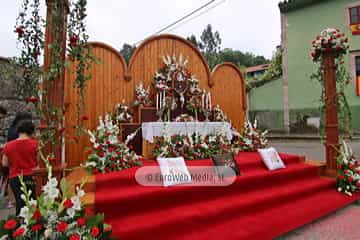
{"x":147,"y":59}
{"x":112,"y":80}
{"x":106,"y":88}
{"x":229,"y":92}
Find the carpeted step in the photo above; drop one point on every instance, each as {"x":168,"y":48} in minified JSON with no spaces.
{"x":248,"y":162}
{"x":153,"y":195}
{"x":273,"y":221}
{"x":222,"y":209}
{"x":260,"y":204}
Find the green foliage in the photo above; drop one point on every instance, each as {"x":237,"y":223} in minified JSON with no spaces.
{"x":210,"y":46}
{"x":274,"y":72}
{"x":126,"y":51}
{"x":241,"y":59}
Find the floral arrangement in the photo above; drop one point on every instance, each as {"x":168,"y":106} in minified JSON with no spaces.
{"x":142,"y":96}
{"x":193,"y":146}
{"x":108,"y":153}
{"x":219,"y":115}
{"x":58,"y":213}
{"x":175,"y":68}
{"x":348,"y":173}
{"x":123,"y":113}
{"x":330,"y":39}
{"x":251,"y":139}
{"x":184,"y":118}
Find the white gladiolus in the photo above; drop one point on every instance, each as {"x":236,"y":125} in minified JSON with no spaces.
{"x":90,"y":164}
{"x":79,"y":192}
{"x":70,"y":212}
{"x":77,"y":203}
{"x":48,"y":233}
{"x":50,"y":189}
{"x":33,"y":202}
{"x":25,"y":214}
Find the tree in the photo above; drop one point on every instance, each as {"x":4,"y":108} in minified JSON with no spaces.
{"x":210,"y":46}
{"x":127,"y":51}
{"x":210,"y":41}
{"x":193,"y":40}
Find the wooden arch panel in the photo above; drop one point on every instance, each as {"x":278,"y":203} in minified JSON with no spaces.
{"x":147,"y":59}
{"x":228,"y":91}
{"x":105,"y":89}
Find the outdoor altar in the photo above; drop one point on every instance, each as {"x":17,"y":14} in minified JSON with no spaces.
{"x":173,"y":83}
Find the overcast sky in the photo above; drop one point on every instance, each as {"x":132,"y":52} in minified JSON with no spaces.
{"x":246,"y":25}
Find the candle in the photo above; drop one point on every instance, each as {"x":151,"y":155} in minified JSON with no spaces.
{"x":209,"y":101}
{"x":157,"y":101}
{"x":203,"y":100}
{"x":160,"y":100}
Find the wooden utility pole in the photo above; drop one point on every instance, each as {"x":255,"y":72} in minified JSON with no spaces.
{"x":332,"y":131}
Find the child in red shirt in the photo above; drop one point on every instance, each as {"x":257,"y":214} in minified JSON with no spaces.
{"x":21,"y":157}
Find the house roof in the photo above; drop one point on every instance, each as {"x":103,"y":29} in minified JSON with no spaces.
{"x":291,"y":5}
{"x":257,"y":68}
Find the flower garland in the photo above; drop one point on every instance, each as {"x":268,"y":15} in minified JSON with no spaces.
{"x":348,"y":172}
{"x":123,"y":113}
{"x":332,"y":40}
{"x":58,"y":213}
{"x":142,"y":96}
{"x":251,"y":139}
{"x":193,"y":146}
{"x":108,"y":153}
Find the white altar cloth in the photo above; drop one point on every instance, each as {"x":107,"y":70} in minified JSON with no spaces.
{"x":157,"y":129}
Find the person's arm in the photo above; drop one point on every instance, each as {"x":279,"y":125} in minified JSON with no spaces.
{"x":5,"y":161}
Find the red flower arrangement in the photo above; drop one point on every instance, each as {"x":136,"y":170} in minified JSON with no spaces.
{"x":57,"y":214}
{"x":330,"y":39}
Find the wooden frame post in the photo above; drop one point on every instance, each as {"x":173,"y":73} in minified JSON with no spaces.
{"x":55,"y":90}
{"x":332,"y":131}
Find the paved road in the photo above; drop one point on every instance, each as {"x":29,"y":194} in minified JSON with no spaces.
{"x":311,"y":149}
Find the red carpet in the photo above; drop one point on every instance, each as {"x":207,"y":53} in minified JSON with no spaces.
{"x":259,"y":205}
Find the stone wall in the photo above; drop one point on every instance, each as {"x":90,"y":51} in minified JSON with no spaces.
{"x":9,"y":99}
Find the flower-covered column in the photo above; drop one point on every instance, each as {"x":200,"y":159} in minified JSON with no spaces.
{"x":332,"y":131}
{"x":328,"y":50}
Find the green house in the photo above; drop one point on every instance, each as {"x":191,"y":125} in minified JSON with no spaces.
{"x":291,"y":103}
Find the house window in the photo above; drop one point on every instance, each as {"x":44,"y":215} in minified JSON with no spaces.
{"x":354,"y":15}
{"x":357,"y":74}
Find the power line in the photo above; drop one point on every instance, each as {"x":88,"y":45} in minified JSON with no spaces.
{"x":196,"y":16}
{"x":186,"y":16}
{"x":180,"y":19}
